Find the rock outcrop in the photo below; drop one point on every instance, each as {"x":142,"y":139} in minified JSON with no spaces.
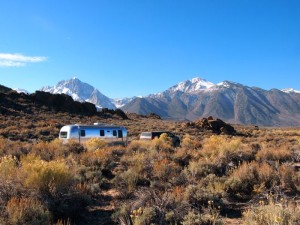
{"x":216,"y":126}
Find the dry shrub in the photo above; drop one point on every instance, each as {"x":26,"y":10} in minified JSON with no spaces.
{"x":95,"y":144}
{"x":209,"y":189}
{"x":50,"y":150}
{"x":182,"y":156}
{"x":243,"y":181}
{"x":100,"y":158}
{"x":8,"y":167}
{"x":281,"y":154}
{"x":289,"y":178}
{"x":274,"y":213}
{"x":190,"y":143}
{"x":2,"y":144}
{"x":217,"y":146}
{"x":156,"y":148}
{"x":94,"y":166}
{"x":162,"y":207}
{"x":46,"y":177}
{"x":53,"y":182}
{"x":143,"y":216}
{"x":27,"y":211}
{"x":164,"y":170}
{"x":296,"y":182}
{"x":222,"y":151}
{"x":267,"y":175}
{"x":139,"y":146}
{"x":194,"y":217}
{"x":163,"y":143}
{"x":14,"y":148}
{"x":89,"y":179}
{"x":126,"y":182}
{"x":10,"y":181}
{"x":201,"y":168}
{"x":140,"y":162}
{"x":73,"y":147}
{"x":178,"y":193}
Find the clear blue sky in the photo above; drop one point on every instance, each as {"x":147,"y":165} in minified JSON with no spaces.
{"x":137,"y":47}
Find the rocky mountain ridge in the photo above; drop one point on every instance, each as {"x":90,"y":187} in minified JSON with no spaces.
{"x":191,"y":99}
{"x":232,"y":102}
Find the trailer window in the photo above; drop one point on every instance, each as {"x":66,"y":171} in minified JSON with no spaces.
{"x":63,"y":134}
{"x":120,"y":133}
{"x":102,"y":133}
{"x":114,"y":133}
{"x":82,"y":133}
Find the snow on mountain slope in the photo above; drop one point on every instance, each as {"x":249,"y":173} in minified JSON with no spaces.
{"x":290,"y":90}
{"x":81,"y":91}
{"x":120,"y":102}
{"x":191,"y":86}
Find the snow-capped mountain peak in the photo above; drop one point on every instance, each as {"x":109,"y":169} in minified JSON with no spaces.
{"x":80,"y":91}
{"x":191,"y":86}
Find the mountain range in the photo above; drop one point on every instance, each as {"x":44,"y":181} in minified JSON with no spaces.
{"x":191,"y":99}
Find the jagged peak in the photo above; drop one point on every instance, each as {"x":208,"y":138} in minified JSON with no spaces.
{"x":192,"y":85}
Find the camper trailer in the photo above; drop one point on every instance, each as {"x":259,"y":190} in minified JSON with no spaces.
{"x":81,"y":132}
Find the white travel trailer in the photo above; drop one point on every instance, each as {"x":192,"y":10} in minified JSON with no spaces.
{"x":108,"y":132}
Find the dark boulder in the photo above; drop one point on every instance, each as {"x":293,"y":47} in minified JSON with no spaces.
{"x":216,"y":126}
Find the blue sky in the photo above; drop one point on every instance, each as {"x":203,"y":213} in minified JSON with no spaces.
{"x":137,"y":47}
